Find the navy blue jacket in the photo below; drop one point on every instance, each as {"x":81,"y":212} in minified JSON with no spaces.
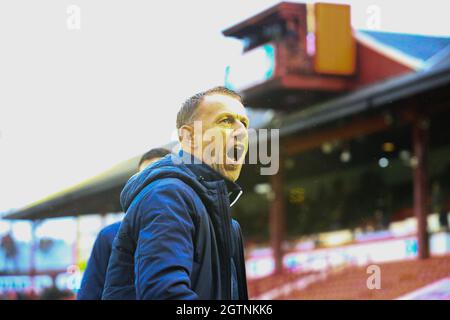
{"x":177,"y":239}
{"x":94,"y":276}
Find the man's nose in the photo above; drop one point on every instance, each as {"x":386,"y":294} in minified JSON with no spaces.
{"x":240,"y":133}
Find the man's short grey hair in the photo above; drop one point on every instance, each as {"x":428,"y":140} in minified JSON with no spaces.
{"x":187,"y":111}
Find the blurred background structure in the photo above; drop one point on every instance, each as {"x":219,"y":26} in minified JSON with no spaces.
{"x":364,"y":175}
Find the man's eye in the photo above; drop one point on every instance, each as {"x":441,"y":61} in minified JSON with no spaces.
{"x":227,"y":120}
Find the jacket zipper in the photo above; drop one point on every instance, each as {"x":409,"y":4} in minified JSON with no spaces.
{"x":227,"y":255}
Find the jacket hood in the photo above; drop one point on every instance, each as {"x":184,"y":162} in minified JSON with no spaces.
{"x":199,"y":176}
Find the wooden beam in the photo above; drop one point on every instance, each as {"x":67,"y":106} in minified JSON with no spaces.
{"x":363,"y":126}
{"x":314,"y":82}
{"x":354,"y":129}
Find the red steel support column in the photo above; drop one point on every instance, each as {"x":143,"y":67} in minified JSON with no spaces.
{"x":277,"y":218}
{"x":420,"y":144}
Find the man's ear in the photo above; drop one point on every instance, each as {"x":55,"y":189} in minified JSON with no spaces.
{"x":186,"y":137}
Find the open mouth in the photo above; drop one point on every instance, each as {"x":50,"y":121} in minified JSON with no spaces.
{"x":235,"y":154}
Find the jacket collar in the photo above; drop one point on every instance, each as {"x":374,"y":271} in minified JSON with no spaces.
{"x":204,"y":172}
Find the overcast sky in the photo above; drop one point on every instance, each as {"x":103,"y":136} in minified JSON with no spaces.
{"x":75,"y":102}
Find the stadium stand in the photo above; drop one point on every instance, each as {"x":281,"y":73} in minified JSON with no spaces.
{"x":397,"y":279}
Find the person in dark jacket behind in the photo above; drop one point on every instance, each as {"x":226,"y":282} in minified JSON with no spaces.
{"x":91,"y":287}
{"x":177,"y":239}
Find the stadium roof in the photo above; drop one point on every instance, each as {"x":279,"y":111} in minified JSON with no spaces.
{"x":410,"y":49}
{"x":99,"y":194}
{"x":418,"y":46}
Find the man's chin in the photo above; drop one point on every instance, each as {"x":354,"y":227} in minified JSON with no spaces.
{"x":232,"y":171}
{"x":229,"y":171}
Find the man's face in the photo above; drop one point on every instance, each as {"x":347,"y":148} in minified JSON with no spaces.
{"x":222,"y":142}
{"x":147,"y":162}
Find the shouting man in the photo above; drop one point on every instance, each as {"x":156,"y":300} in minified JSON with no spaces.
{"x":177,"y":240}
